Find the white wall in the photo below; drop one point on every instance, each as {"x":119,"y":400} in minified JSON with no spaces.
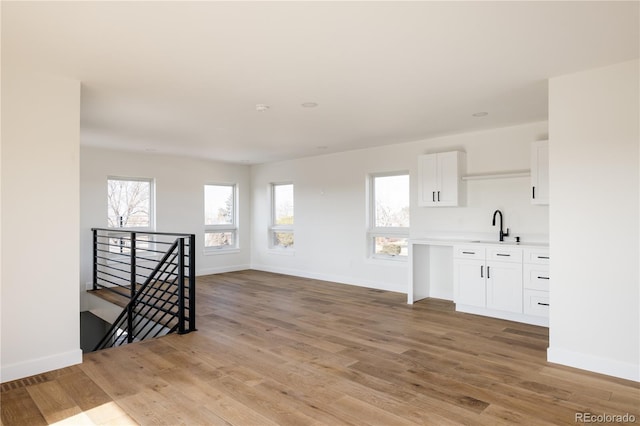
{"x":330,"y":204}
{"x":40,"y":215}
{"x":594,"y":220}
{"x":179,"y":189}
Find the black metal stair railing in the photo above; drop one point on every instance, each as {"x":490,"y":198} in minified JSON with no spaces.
{"x":156,"y":271}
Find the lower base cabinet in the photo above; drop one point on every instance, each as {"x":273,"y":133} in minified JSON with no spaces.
{"x":536,"y":302}
{"x":504,"y":286}
{"x":488,"y":280}
{"x":471,"y":283}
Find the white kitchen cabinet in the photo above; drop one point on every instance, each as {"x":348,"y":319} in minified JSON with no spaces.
{"x":504,"y":286}
{"x":536,"y":303}
{"x":536,"y":277}
{"x":471,"y":286}
{"x":440,"y":179}
{"x":488,"y":278}
{"x":540,"y":172}
{"x":536,"y":282}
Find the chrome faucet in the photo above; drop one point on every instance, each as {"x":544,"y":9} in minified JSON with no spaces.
{"x":502,"y":233}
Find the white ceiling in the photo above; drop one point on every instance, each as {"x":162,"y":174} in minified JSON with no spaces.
{"x":185,"y":77}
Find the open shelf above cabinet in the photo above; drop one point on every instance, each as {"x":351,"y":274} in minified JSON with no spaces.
{"x":498,"y":175}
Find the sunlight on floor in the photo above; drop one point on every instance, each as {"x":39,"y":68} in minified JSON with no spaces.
{"x":106,"y":414}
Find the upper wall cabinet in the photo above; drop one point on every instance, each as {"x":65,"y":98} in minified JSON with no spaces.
{"x":440,"y":179}
{"x":540,"y":172}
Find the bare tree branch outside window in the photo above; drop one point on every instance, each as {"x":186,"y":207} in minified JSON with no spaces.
{"x":128,"y":203}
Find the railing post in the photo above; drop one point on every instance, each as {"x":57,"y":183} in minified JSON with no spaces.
{"x":95,"y":259}
{"x":130,"y":311}
{"x":181,"y":329}
{"x":192,"y":282}
{"x":132,"y":282}
{"x":132,"y":253}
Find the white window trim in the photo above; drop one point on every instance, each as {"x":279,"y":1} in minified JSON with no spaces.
{"x":273,"y":228}
{"x":379,"y":231}
{"x":233,"y":227}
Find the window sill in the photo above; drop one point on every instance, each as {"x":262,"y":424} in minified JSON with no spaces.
{"x":282,"y":252}
{"x":215,"y":251}
{"x":387,"y":261}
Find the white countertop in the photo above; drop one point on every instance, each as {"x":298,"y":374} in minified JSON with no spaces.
{"x":454,"y":242}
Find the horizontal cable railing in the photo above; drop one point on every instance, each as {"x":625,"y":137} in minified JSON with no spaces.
{"x":156,"y":271}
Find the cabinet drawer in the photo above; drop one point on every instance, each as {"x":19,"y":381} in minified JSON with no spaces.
{"x":504,"y":254}
{"x":539,"y":256}
{"x":469,"y":252}
{"x":536,"y":277}
{"x":536,"y":303}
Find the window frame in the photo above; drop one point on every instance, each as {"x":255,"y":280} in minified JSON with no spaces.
{"x":152,"y":204}
{"x":231,"y":227}
{"x":374,"y":231}
{"x":151,"y":246}
{"x":280,"y":228}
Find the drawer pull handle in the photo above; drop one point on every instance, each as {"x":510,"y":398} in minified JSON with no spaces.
{"x":500,"y":254}
{"x":438,"y":195}
{"x":543,"y":278}
{"x":468,"y":252}
{"x":433,"y":196}
{"x":543,"y":257}
{"x":488,"y":269}
{"x":543,"y":304}
{"x":533,"y":192}
{"x":481,"y":271}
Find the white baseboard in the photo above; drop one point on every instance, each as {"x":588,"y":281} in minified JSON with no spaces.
{"x":509,"y":316}
{"x":220,"y":270}
{"x":20,"y":370}
{"x":328,"y":277}
{"x":610,"y":367}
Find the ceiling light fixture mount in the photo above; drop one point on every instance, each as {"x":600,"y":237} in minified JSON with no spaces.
{"x":262,"y":107}
{"x":480,"y":114}
{"x":309,"y":104}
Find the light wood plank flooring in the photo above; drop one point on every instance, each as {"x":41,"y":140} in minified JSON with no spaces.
{"x":279,"y":350}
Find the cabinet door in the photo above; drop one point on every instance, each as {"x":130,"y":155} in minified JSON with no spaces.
{"x":540,"y":172}
{"x":504,"y":286}
{"x":447,"y":192}
{"x":427,"y":180}
{"x":469,"y":280}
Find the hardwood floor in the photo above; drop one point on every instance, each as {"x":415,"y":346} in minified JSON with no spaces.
{"x":272,"y":349}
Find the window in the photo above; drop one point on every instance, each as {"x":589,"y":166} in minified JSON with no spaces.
{"x":281,"y":230}
{"x":221,"y":231}
{"x":130,"y":203}
{"x":388,"y":216}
